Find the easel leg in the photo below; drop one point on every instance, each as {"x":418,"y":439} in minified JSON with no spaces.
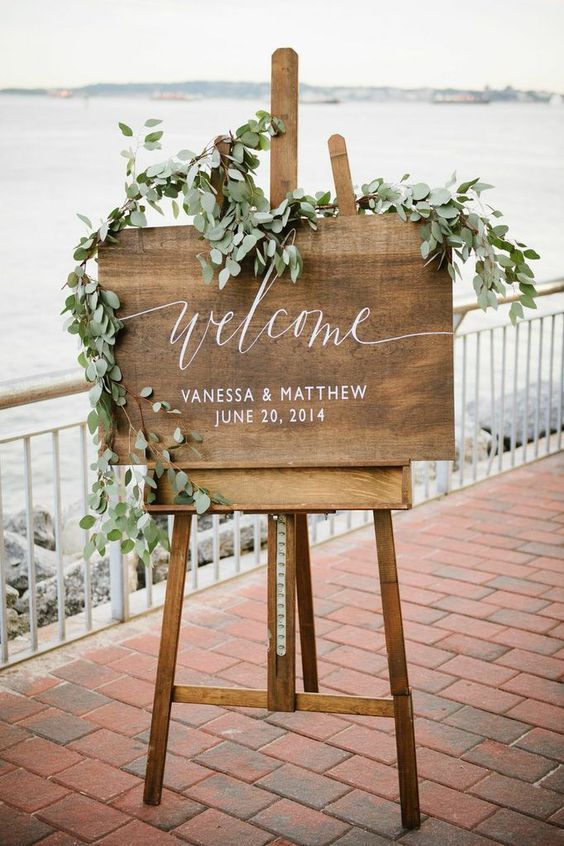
{"x":403,"y":709}
{"x":167,"y":659}
{"x":305,"y":606}
{"x":281,"y":686}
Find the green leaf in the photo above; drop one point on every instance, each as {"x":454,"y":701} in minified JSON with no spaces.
{"x":233,"y":267}
{"x":202,"y":501}
{"x":208,"y":202}
{"x":89,"y":550}
{"x":183,"y":498}
{"x":447,"y":212}
{"x":465,"y":186}
{"x":481,"y":186}
{"x":95,"y":393}
{"x":439,"y":196}
{"x":156,"y":169}
{"x":93,"y":422}
{"x":140,"y":441}
{"x":146,"y":392}
{"x":250,"y":139}
{"x":153,"y":136}
{"x":138,"y":218}
{"x":215,"y":233}
{"x":87,"y":521}
{"x":125,"y":130}
{"x":420,"y":191}
{"x":207,"y":273}
{"x":515,"y":312}
{"x":152,"y":122}
{"x":111,"y":299}
{"x":223,"y":278}
{"x":85,"y":220}
{"x":178,"y":436}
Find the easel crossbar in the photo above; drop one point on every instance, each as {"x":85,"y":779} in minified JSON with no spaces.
{"x":249,"y":698}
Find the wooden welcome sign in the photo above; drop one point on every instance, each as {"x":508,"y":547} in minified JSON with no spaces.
{"x":309,"y":396}
{"x":350,"y":367}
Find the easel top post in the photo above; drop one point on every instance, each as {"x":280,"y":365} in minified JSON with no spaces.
{"x":284,"y":105}
{"x":342,"y":175}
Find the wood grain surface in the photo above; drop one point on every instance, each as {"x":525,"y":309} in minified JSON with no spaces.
{"x":297,"y":489}
{"x":351,"y":264}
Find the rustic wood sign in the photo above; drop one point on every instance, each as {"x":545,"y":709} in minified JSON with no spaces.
{"x":350,"y":366}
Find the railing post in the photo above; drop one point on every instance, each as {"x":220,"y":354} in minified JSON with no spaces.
{"x":119,"y":574}
{"x":119,"y":587}
{"x":3,"y":592}
{"x":30,"y":533}
{"x":443,"y":477}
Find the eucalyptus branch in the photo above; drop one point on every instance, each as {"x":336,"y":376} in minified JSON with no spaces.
{"x":454,"y":227}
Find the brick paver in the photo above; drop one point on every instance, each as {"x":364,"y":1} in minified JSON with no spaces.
{"x":82,"y":817}
{"x":97,"y":779}
{"x":482,"y":578}
{"x":28,"y":792}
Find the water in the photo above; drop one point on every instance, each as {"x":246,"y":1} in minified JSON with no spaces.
{"x":59,"y":157}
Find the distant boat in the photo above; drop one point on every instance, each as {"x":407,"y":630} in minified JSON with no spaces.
{"x":312,"y":100}
{"x":461,"y":98}
{"x":61,"y":93}
{"x":175,"y":96}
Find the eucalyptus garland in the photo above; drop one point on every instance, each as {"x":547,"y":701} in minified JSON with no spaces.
{"x":217,"y":189}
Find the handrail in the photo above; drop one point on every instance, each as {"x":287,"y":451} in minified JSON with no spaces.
{"x":60,"y":383}
{"x":556,"y":286}
{"x":63,"y":383}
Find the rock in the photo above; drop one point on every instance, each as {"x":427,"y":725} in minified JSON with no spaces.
{"x":73,"y":535}
{"x":43,"y":531}
{"x":12,"y":596}
{"x":420,"y":475}
{"x":205,"y":521}
{"x":484,"y":443}
{"x":527,"y":409}
{"x":15,"y":548}
{"x":226,"y":538}
{"x":46,"y":591}
{"x":205,"y":545}
{"x":160,"y":567}
{"x":16,"y":624}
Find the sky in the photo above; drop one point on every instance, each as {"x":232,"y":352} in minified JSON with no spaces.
{"x":57,"y":43}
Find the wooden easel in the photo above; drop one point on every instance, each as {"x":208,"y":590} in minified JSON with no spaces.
{"x":289,"y":572}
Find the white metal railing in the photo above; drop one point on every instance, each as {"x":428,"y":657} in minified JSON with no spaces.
{"x":509,"y":385}
{"x":513,"y":376}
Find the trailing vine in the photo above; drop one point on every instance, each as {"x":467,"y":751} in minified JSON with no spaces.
{"x":217,"y":189}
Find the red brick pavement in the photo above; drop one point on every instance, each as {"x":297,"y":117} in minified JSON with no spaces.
{"x":482,"y":578}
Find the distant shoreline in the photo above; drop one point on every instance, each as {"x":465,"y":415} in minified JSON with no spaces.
{"x":207,"y":89}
